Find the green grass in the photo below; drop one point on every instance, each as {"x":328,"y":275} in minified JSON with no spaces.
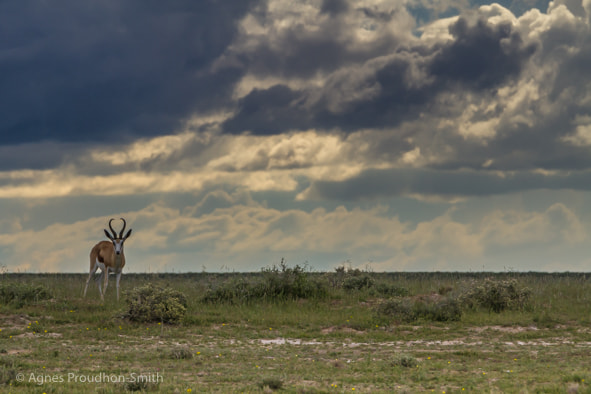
{"x":321,"y":341}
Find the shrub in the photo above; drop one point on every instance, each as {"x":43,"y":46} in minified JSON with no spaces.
{"x":284,"y":282}
{"x":396,"y":309}
{"x":20,"y":294}
{"x":155,"y":304}
{"x":404,"y":360}
{"x":497,"y":295}
{"x":387,"y":290}
{"x":140,"y":385}
{"x":445,"y":309}
{"x":231,"y":291}
{"x":350,"y":278}
{"x":407,"y":310}
{"x":181,"y":353}
{"x":8,"y":371}
{"x":358,"y":282}
{"x":275,"y":283}
{"x":272,"y":383}
{"x":7,"y":375}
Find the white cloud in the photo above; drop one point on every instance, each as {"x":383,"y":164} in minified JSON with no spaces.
{"x":145,"y":149}
{"x":246,"y":235}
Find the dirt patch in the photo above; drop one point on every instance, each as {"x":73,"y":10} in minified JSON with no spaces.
{"x":425,"y":343}
{"x":431,"y":297}
{"x":15,"y":321}
{"x":509,"y":330}
{"x":34,"y":335}
{"x":287,"y":341}
{"x":14,"y":352}
{"x":346,"y":330}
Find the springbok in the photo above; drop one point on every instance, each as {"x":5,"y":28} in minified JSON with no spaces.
{"x":109,"y":257}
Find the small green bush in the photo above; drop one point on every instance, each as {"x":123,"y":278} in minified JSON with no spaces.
{"x":396,"y":309}
{"x":20,"y":294}
{"x":141,"y":385}
{"x":7,"y":375}
{"x":8,"y":370}
{"x":358,"y":282}
{"x":404,"y":360}
{"x":155,"y":304}
{"x":407,"y":310}
{"x":497,"y":295}
{"x":387,"y":290}
{"x":275,"y":283}
{"x":445,"y":309}
{"x":350,"y":278}
{"x":272,"y":383}
{"x":181,"y":353}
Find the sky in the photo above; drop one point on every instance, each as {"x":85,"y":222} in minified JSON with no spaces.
{"x":410,"y":135}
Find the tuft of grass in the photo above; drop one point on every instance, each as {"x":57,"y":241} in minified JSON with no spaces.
{"x":575,"y":377}
{"x":396,"y":310}
{"x":272,"y":383}
{"x":404,"y":360}
{"x":18,"y":295}
{"x":181,"y":353}
{"x":140,"y":385}
{"x":358,"y":282}
{"x":389,"y":290}
{"x":408,"y":310}
{"x":8,"y":370}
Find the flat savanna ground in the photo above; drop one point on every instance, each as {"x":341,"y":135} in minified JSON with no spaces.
{"x":333,"y":344}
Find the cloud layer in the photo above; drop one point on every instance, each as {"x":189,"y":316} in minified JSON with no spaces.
{"x":234,"y":134}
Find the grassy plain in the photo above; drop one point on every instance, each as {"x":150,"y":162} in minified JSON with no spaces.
{"x":330,"y":344}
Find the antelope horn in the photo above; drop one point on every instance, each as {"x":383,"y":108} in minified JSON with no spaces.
{"x":111,"y":227}
{"x":123,"y":229}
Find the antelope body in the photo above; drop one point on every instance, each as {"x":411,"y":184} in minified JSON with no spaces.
{"x":109,"y":257}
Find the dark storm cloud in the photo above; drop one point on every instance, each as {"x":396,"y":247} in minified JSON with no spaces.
{"x":37,"y":156}
{"x":334,"y":7}
{"x":309,"y":47}
{"x":481,"y":56}
{"x":269,"y":111}
{"x":90,"y":70}
{"x":377,"y":183}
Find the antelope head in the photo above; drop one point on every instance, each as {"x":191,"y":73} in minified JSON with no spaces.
{"x":117,"y":239}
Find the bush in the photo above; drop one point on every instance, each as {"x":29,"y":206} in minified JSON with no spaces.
{"x":181,"y":353}
{"x":497,"y":295}
{"x":445,"y":309}
{"x":8,"y":370}
{"x":155,"y":304}
{"x":231,"y":291}
{"x":275,"y":283}
{"x":284,"y":283}
{"x":272,"y":383}
{"x":350,"y":278}
{"x":407,"y":310}
{"x":143,"y":385}
{"x":396,"y":309}
{"x":404,"y":360}
{"x":358,"y":282}
{"x":387,"y":290}
{"x":7,"y":375}
{"x":20,"y":294}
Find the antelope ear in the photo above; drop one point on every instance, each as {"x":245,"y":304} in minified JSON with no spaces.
{"x":108,"y":235}
{"x":128,"y":234}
